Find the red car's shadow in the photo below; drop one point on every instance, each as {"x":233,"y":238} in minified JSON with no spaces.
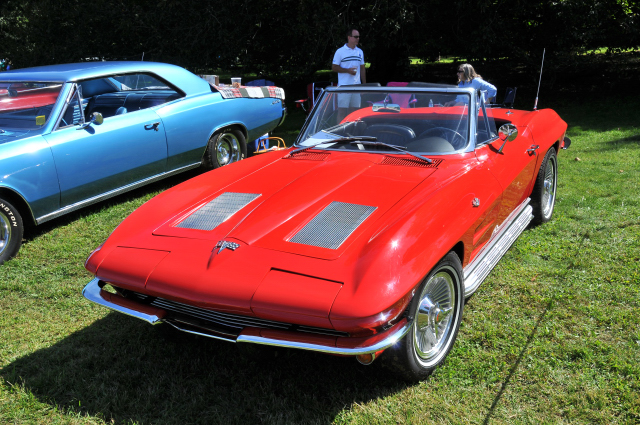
{"x":121,"y":369}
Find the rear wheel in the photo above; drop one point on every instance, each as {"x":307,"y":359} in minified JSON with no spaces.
{"x":437,"y":311}
{"x":225,"y":147}
{"x":543,"y":197}
{"x":11,"y":230}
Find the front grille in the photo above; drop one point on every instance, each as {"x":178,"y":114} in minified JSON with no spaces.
{"x":333,"y":225}
{"x":222,"y":322}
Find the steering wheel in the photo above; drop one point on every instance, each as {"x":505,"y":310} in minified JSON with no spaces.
{"x":442,"y":132}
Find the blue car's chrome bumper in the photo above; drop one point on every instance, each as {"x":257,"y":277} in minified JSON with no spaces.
{"x":341,"y":345}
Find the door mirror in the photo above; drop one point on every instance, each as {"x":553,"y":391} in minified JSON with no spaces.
{"x":97,"y":119}
{"x":507,"y":132}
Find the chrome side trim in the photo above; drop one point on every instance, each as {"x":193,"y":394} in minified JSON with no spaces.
{"x":92,"y":293}
{"x":112,"y":193}
{"x":478,"y":269}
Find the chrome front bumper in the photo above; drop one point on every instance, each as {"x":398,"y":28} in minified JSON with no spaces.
{"x":93,"y":292}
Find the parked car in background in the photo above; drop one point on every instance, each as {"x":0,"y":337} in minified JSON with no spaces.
{"x":75,"y":134}
{"x":363,"y":239}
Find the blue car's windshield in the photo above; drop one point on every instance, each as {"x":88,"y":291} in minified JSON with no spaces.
{"x":26,"y":105}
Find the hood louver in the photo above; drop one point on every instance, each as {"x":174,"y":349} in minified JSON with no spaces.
{"x":217,"y":211}
{"x":309,"y":156}
{"x":333,"y":225}
{"x":409,"y":162}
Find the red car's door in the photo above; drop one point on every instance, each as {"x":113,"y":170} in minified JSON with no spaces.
{"x":514,"y":167}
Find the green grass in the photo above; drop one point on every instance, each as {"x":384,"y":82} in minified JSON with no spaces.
{"x":552,"y":336}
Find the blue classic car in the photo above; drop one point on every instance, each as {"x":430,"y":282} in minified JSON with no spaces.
{"x":75,"y":134}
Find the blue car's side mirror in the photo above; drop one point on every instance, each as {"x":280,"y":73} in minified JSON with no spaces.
{"x":96,"y":118}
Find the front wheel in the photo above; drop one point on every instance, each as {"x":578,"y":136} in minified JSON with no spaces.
{"x":11,"y":230}
{"x":437,"y":312}
{"x":543,"y":197}
{"x":225,"y":147}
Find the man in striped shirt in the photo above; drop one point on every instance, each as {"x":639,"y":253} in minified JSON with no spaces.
{"x":348,"y":62}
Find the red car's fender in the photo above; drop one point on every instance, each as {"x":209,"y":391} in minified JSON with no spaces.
{"x":145,"y":219}
{"x":392,"y":262}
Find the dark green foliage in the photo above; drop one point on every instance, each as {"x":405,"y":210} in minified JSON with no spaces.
{"x":293,"y":39}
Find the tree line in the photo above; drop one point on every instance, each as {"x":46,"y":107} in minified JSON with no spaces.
{"x":294,"y":38}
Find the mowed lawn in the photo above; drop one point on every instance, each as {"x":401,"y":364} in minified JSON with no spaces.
{"x":552,"y":336}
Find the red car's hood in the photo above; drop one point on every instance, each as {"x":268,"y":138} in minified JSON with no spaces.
{"x":291,"y":191}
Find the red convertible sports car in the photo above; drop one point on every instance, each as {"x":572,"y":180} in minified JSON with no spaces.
{"x":364,"y":237}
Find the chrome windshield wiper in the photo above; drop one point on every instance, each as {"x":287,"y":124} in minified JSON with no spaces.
{"x":398,"y":148}
{"x":340,"y":140}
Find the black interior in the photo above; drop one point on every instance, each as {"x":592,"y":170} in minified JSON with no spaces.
{"x":417,"y":135}
{"x":402,"y":132}
{"x":110,"y":104}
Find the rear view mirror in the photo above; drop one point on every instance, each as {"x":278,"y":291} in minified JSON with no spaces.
{"x":385,"y":107}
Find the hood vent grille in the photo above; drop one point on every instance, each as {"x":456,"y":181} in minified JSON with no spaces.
{"x":333,"y":225}
{"x":217,"y":211}
{"x":409,"y":162}
{"x":309,"y":156}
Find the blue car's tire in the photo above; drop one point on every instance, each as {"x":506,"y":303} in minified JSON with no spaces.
{"x":225,"y":147}
{"x":11,"y":230}
{"x":437,"y":312}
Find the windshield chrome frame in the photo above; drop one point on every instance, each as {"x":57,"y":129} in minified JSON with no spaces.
{"x":483,"y":106}
{"x":71,"y":90}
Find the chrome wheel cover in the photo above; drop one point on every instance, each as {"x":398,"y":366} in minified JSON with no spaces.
{"x":5,"y":232}
{"x":227,"y":149}
{"x":435,"y":318}
{"x":549,"y":187}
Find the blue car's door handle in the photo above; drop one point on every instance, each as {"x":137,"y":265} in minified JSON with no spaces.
{"x":153,"y":126}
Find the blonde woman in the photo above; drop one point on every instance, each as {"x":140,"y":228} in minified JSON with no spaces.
{"x":467,"y":77}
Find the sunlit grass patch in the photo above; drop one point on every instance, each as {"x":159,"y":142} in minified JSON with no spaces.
{"x":552,"y":335}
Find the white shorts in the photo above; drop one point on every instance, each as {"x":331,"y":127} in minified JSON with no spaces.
{"x":346,"y":100}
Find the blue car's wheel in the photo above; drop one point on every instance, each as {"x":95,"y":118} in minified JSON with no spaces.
{"x":225,"y":147}
{"x":437,"y":312}
{"x":11,"y":230}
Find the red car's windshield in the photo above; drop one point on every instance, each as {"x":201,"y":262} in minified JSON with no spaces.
{"x":423,"y":122}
